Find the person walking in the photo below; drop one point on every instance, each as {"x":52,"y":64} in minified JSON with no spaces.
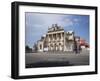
{"x":75,"y":47}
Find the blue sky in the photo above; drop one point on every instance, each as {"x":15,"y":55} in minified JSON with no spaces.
{"x":37,"y":24}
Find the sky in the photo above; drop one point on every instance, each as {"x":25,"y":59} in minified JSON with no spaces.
{"x":37,"y":24}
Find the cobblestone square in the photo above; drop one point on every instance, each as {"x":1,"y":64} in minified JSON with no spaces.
{"x":53,"y":59}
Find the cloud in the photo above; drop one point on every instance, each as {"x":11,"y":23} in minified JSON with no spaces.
{"x":76,"y":20}
{"x":68,"y":22}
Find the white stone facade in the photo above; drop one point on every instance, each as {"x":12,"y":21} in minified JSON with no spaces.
{"x":56,"y":39}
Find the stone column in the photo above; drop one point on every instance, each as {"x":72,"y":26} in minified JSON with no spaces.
{"x":52,"y":42}
{"x":64,"y":42}
{"x":52,"y":37}
{"x":57,"y":36}
{"x":48,"y":43}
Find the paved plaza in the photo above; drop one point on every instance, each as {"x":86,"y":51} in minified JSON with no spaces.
{"x":56,"y":59}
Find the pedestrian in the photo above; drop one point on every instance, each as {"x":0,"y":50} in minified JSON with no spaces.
{"x":80,"y":49}
{"x":75,"y":47}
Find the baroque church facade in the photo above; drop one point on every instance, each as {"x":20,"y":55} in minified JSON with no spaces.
{"x":56,"y":39}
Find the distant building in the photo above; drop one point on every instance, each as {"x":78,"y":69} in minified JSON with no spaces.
{"x":56,"y":39}
{"x":83,"y":44}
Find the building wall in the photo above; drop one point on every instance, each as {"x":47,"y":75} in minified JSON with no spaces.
{"x":57,"y":39}
{"x":40,"y":46}
{"x":69,"y":41}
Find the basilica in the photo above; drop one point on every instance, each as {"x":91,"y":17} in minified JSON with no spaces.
{"x":56,"y":39}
